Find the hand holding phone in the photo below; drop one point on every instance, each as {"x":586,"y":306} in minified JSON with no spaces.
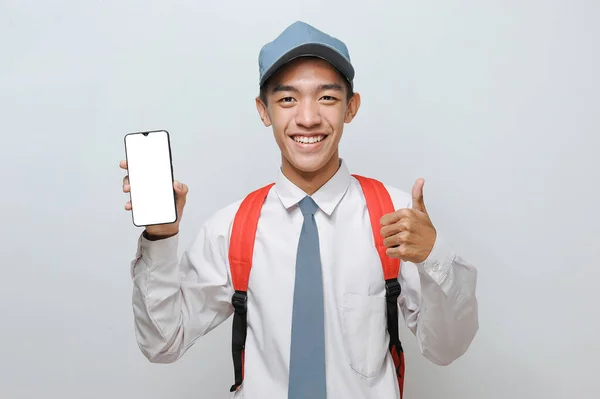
{"x":156,"y":199}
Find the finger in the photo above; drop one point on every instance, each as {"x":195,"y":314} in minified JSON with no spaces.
{"x":181,"y":191}
{"x":126,"y":181}
{"x":399,"y":252}
{"x":126,"y":188}
{"x":128,"y":206}
{"x":395,"y":217}
{"x":123,"y":164}
{"x":395,"y":228}
{"x":180,"y":188}
{"x":396,"y":240}
{"x":389,"y":218}
{"x":418,"y":202}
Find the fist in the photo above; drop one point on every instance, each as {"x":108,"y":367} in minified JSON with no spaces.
{"x":408,"y":233}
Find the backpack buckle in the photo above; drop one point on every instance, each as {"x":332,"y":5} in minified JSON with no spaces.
{"x":240,"y":301}
{"x":392,"y":289}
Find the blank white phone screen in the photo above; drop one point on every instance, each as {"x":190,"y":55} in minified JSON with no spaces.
{"x":150,"y":178}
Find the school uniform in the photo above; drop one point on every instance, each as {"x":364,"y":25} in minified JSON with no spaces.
{"x":177,"y":301}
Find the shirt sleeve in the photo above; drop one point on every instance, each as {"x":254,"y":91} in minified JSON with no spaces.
{"x":175,"y":302}
{"x":439,"y":303}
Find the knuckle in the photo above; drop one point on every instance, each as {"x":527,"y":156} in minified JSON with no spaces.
{"x":386,"y":231}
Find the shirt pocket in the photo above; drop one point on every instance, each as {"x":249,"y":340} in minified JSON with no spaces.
{"x":365,"y":332}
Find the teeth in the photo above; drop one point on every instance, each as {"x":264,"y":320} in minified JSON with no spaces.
{"x":308,"y":140}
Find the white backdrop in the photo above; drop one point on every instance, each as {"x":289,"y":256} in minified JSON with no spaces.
{"x":494,"y":103}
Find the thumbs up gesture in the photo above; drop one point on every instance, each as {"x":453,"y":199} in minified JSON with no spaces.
{"x":408,"y":233}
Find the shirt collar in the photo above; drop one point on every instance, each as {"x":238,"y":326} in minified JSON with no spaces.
{"x":326,"y":198}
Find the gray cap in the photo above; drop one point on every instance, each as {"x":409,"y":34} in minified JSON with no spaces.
{"x":301,"y":40}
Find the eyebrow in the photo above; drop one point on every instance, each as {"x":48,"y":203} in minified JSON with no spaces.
{"x":284,"y":88}
{"x":328,"y":86}
{"x":331,"y":86}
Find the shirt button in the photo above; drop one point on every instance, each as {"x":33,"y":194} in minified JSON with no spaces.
{"x":436,"y":266}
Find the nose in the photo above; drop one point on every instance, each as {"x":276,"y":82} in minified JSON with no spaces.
{"x":308,"y":114}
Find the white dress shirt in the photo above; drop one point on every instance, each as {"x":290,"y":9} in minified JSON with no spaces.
{"x":177,"y":301}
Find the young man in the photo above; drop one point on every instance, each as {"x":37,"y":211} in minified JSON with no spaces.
{"x":308,"y":335}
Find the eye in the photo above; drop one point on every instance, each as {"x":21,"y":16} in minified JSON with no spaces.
{"x":328,"y":98}
{"x":286,"y":102}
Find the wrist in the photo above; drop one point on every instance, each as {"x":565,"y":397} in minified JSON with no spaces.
{"x":158,"y":236}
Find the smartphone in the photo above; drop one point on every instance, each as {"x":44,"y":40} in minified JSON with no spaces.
{"x":150,"y":169}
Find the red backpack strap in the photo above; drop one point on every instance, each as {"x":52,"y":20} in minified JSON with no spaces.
{"x":379,"y":203}
{"x":241,"y":250}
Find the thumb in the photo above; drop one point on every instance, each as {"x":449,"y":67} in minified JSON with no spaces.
{"x":418,"y":203}
{"x":181,"y":191}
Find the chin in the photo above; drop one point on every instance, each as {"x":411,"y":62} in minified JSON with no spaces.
{"x":307,"y":167}
{"x":308,"y":164}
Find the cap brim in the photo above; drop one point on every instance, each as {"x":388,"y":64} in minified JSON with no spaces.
{"x":318,"y":50}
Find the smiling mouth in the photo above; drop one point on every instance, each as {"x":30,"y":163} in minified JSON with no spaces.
{"x":308,"y":139}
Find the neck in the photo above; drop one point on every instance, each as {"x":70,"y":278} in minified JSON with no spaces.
{"x":311,"y":182}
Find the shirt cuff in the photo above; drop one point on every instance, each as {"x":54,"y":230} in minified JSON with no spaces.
{"x":155,"y":252}
{"x":438,"y":263}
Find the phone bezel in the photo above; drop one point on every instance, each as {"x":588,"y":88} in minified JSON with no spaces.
{"x":146,"y":133}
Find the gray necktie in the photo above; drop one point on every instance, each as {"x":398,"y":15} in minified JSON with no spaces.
{"x":307,"y":353}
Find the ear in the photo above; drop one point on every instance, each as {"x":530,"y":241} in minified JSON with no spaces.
{"x":261,"y":107}
{"x":353,"y":107}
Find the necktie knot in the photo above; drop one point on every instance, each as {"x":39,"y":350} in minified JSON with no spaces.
{"x":308,"y":206}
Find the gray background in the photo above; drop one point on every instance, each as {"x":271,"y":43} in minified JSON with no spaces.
{"x":494,"y":103}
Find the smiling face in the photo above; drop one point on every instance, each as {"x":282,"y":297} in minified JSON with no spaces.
{"x":306,"y":103}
